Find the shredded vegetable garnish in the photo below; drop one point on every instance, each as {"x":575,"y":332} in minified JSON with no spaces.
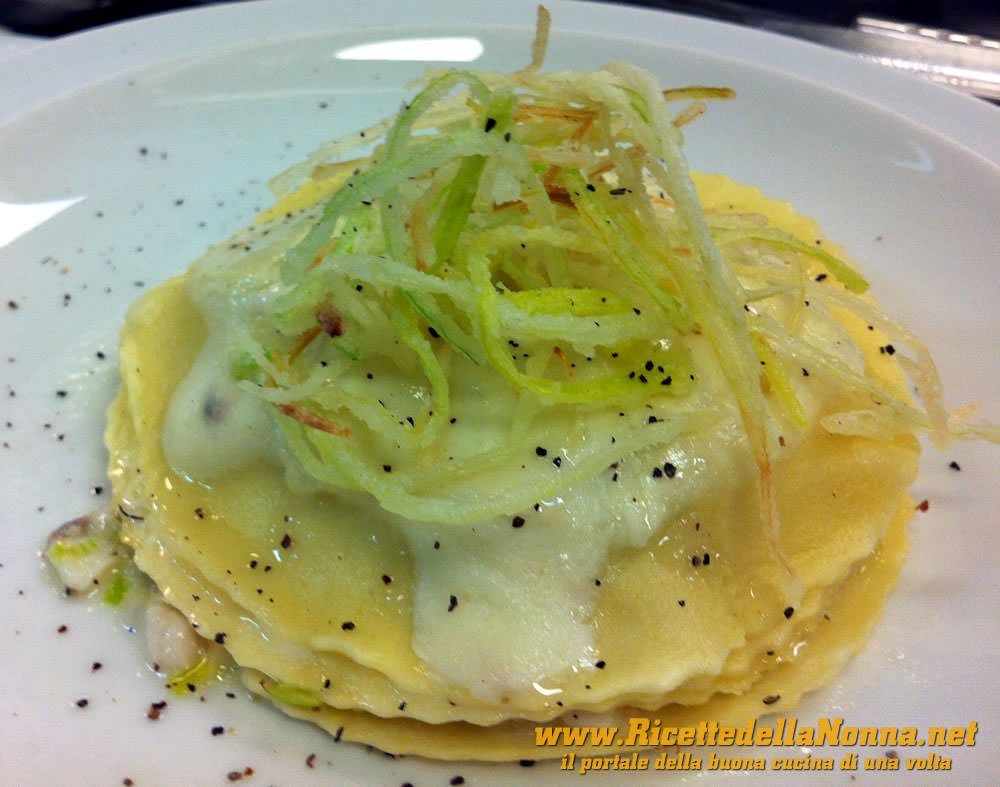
{"x":114,"y":594}
{"x":71,"y":550}
{"x":198,"y":674}
{"x":291,"y":695}
{"x":533,"y":241}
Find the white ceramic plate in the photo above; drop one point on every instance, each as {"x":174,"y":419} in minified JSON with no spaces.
{"x":134,"y":147}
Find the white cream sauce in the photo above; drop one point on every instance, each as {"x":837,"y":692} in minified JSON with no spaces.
{"x":525,"y":595}
{"x":212,"y":426}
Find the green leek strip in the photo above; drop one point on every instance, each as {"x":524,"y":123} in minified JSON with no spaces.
{"x":393,"y":229}
{"x":510,"y":236}
{"x":927,"y":377}
{"x":421,"y":207}
{"x":436,"y":89}
{"x":287,"y":180}
{"x":448,"y":329}
{"x":774,"y":371}
{"x":243,"y":367}
{"x":460,"y":193}
{"x":522,"y":277}
{"x":71,"y":550}
{"x":288,"y":389}
{"x":359,"y":403}
{"x":609,"y":388}
{"x":625,"y":254}
{"x":763,"y":293}
{"x":393,"y":225}
{"x":396,"y":245}
{"x":374,"y":182}
{"x":969,"y":431}
{"x":454,"y":213}
{"x":542,"y":213}
{"x":610,"y":330}
{"x":415,"y":339}
{"x":115,"y":593}
{"x":346,"y":348}
{"x":840,"y":270}
{"x":296,"y":696}
{"x":638,"y":103}
{"x":197,"y":674}
{"x":295,"y":310}
{"x":579,"y":302}
{"x":804,"y":353}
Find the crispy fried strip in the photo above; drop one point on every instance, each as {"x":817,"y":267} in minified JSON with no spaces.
{"x":526,"y":112}
{"x":304,"y":341}
{"x":541,"y":43}
{"x":689,"y":113}
{"x":561,"y":355}
{"x":698,"y":91}
{"x":313,"y":421}
{"x":559,"y":195}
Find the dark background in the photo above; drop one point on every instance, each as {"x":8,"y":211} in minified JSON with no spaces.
{"x":981,"y":17}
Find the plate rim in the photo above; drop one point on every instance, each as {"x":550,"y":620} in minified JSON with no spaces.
{"x":100,"y":54}
{"x":114,"y":66}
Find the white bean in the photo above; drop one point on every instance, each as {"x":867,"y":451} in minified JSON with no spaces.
{"x":172,"y":644}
